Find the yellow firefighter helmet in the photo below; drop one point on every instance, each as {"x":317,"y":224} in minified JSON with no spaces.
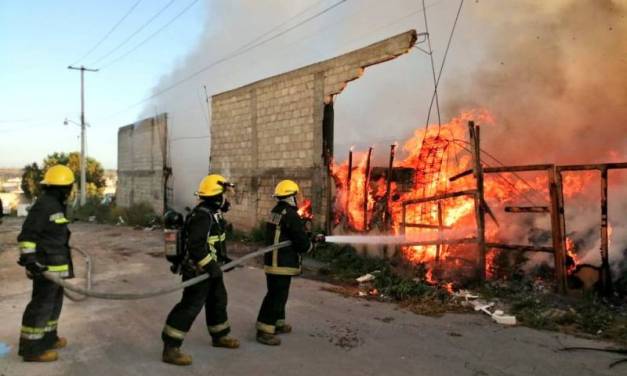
{"x":286,"y":188}
{"x":212,"y":185}
{"x":58,"y":175}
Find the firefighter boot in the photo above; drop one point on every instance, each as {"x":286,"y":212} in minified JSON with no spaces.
{"x":174,"y":355}
{"x":226,"y":342}
{"x":268,"y":339}
{"x":283,"y":329}
{"x":60,"y":343}
{"x":47,"y":356}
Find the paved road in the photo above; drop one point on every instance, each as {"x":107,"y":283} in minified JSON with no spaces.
{"x":333,"y":335}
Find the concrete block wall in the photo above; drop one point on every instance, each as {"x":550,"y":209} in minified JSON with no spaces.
{"x":141,"y":160}
{"x":271,"y":130}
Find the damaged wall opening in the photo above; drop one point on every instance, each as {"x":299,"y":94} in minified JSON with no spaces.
{"x":282,"y":127}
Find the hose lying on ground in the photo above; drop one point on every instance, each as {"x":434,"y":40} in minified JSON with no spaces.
{"x":609,"y":350}
{"x":166,"y":290}
{"x":88,"y":265}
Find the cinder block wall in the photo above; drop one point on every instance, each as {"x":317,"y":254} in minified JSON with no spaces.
{"x":271,"y":130}
{"x":141,"y":159}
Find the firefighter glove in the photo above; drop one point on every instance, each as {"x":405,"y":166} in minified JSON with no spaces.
{"x":226,"y":205}
{"x":318,"y":238}
{"x":213,"y":269}
{"x":32,"y":265}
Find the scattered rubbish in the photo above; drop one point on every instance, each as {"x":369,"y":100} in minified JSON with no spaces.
{"x":479,"y":305}
{"x":121,"y":221}
{"x":4,"y":349}
{"x":366,"y":286}
{"x":465,"y":294}
{"x":366,"y":278}
{"x":91,"y":219}
{"x":497,"y":315}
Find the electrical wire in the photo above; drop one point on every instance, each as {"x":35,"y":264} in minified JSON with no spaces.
{"x":512,"y":185}
{"x":278,"y":27}
{"x":513,"y":172}
{"x":189,"y":138}
{"x":137,"y":31}
{"x":233,"y":54}
{"x":138,"y":45}
{"x":319,"y":32}
{"x":108,"y":33}
{"x":437,"y":82}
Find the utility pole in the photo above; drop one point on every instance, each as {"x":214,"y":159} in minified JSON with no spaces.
{"x":83,"y":163}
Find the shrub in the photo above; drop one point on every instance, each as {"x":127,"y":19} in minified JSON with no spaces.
{"x":141,"y":214}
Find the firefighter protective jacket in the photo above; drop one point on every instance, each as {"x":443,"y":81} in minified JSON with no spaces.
{"x":45,"y":234}
{"x":206,"y":238}
{"x":285,"y":224}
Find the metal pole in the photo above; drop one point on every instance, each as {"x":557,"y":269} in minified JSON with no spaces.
{"x":479,"y":208}
{"x":606,"y":275}
{"x":83,"y":166}
{"x":366,"y":188}
{"x":349,"y":176}
{"x":440,"y":247}
{"x":557,"y":233}
{"x":387,"y":216}
{"x":83,"y":183}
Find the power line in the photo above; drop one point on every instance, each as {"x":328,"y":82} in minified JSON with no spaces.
{"x":137,"y":31}
{"x":325,"y":30}
{"x":277,"y":27}
{"x":437,"y":82}
{"x":108,"y":33}
{"x":138,"y":45}
{"x":321,"y":31}
{"x":235,"y":53}
{"x":189,"y":138}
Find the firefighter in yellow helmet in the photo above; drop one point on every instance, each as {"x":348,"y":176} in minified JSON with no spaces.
{"x":280,"y":265}
{"x":44,"y":246}
{"x":204,"y":245}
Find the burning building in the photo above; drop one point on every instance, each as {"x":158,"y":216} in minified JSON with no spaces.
{"x":535,"y":109}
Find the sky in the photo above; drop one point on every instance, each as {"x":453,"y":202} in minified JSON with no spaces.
{"x":40,"y":39}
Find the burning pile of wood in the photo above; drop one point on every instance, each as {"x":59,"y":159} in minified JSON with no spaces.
{"x":439,"y":189}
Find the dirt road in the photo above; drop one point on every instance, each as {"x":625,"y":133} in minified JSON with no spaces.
{"x":333,"y":335}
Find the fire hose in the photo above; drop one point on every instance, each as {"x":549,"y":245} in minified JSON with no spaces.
{"x":88,"y":267}
{"x":87,"y":292}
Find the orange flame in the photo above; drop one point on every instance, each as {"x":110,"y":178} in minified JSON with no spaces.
{"x":570,"y":252}
{"x":434,"y":155}
{"x":304,"y":210}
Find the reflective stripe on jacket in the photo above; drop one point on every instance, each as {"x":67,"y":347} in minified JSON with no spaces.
{"x":283,"y":224}
{"x":45,"y":233}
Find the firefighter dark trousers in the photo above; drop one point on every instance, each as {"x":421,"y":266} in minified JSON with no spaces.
{"x":39,"y":323}
{"x":272,"y":312}
{"x":209,"y":293}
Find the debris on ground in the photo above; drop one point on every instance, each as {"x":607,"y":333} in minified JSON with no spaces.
{"x":497,"y":315}
{"x":366,"y":285}
{"x":480,"y":305}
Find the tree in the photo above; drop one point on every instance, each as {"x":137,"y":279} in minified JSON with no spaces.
{"x":31,"y":177}
{"x":94,"y":173}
